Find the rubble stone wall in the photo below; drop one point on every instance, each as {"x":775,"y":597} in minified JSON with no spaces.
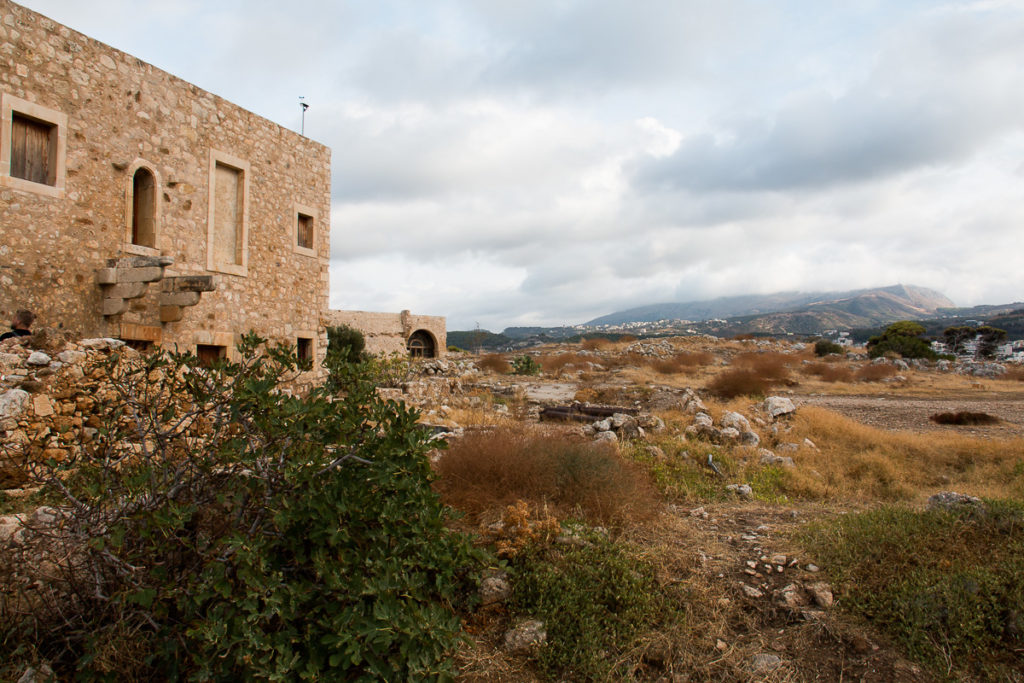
{"x":110,"y":115}
{"x":388,"y":333}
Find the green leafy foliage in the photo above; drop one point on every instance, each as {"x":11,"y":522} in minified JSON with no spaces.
{"x":525,"y":365}
{"x":593,"y":599}
{"x":902,"y":338}
{"x":221,"y":529}
{"x":345,"y":345}
{"x":824,"y":347}
{"x":897,"y":567}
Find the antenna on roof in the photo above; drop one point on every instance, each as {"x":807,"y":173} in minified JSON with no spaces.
{"x":304,"y":106}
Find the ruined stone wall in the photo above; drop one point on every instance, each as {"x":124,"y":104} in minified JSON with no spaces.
{"x":387,"y":333}
{"x":111,"y":114}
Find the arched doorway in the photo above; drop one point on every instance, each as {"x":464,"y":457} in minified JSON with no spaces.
{"x":421,"y":345}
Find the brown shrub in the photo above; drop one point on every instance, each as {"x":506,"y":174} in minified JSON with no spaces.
{"x":738,"y":382}
{"x":829,"y":372}
{"x":488,"y":471}
{"x":627,"y":338}
{"x":964,"y":417}
{"x":595,"y":344}
{"x":1015,"y":372}
{"x":494,"y":362}
{"x":771,"y":366}
{"x":875,"y":373}
{"x":693,"y":359}
{"x":665,"y":366}
{"x":553,"y":365}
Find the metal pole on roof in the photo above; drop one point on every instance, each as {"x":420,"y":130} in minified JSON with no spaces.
{"x":304,"y":108}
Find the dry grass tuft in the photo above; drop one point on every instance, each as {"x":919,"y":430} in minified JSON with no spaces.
{"x":555,"y":365}
{"x":595,"y":344}
{"x":494,"y":362}
{"x":861,"y":463}
{"x":1014,"y":372}
{"x":829,"y":372}
{"x":771,"y":366}
{"x":875,"y":373}
{"x":681,"y":362}
{"x":738,"y":382}
{"x":572,"y":477}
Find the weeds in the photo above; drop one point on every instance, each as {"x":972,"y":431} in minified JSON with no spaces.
{"x":594,"y":600}
{"x":575,"y":478}
{"x":946,"y":585}
{"x":494,"y":362}
{"x":738,"y":382}
{"x":829,"y":372}
{"x":875,"y":373}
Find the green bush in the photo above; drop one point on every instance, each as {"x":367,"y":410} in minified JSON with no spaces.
{"x":947,"y":586}
{"x":345,"y":345}
{"x":220,"y":529}
{"x":593,"y":599}
{"x":824,"y":347}
{"x":903,"y":338}
{"x":525,"y":365}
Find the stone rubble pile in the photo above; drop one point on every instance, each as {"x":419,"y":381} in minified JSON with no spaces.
{"x":51,"y":405}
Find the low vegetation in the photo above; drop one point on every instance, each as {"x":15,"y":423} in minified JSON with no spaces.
{"x":946,"y":585}
{"x":571,"y":478}
{"x":221,"y":529}
{"x":964,"y":417}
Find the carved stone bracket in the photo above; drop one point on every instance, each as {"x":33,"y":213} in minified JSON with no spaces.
{"x":128,"y":278}
{"x":181,"y":292}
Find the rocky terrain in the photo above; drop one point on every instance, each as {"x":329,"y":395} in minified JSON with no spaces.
{"x":739,"y":479}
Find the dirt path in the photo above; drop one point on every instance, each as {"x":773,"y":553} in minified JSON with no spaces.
{"x":912,"y":414}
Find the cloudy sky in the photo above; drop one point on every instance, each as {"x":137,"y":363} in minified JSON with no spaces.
{"x":548,"y":161}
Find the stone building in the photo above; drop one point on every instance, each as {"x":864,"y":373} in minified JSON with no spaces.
{"x":136,"y":205}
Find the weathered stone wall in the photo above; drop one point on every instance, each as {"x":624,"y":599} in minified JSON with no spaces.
{"x":388,"y":333}
{"x":113,"y":114}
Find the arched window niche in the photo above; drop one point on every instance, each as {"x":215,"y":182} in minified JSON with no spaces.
{"x":142,"y":214}
{"x":421,"y":344}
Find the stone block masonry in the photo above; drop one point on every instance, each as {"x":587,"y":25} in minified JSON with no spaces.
{"x":104,"y":158}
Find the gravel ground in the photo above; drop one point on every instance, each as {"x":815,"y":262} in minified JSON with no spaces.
{"x":912,"y":414}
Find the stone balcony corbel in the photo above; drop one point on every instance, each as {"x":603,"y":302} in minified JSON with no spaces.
{"x":128,"y":278}
{"x":181,"y":292}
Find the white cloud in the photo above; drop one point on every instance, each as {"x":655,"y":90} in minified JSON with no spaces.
{"x":544,"y":162}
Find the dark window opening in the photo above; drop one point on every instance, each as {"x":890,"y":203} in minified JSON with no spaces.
{"x":304,"y":348}
{"x":304,"y":234}
{"x":33,"y":150}
{"x":421,"y":345}
{"x":140,"y":345}
{"x":144,"y":200}
{"x":209,"y":354}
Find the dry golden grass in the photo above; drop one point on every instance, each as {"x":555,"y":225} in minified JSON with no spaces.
{"x":771,"y":366}
{"x":829,"y":372}
{"x":573,"y":477}
{"x":494,"y":362}
{"x":555,"y":364}
{"x":596,"y":344}
{"x":859,"y":463}
{"x":738,"y":382}
{"x":875,"y":373}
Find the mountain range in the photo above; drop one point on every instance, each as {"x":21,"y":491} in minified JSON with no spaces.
{"x":796,"y":312}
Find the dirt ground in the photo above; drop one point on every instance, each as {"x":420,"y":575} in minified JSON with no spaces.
{"x":896,"y":412}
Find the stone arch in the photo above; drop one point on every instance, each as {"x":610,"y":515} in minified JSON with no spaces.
{"x":142,"y":208}
{"x":422,"y":344}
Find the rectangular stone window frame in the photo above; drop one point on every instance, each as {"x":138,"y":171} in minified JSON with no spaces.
{"x":212,"y":263}
{"x":11,"y":106}
{"x":226,"y":340}
{"x":314,"y":216}
{"x":310,"y":340}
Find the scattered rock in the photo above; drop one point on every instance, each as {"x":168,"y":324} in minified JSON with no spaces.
{"x":495,"y":588}
{"x":951,"y":500}
{"x":751,"y":592}
{"x":525,"y":636}
{"x":735,"y":421}
{"x":777,"y":406}
{"x":742,"y":490}
{"x":38,"y":358}
{"x":821,"y":593}
{"x":764,"y":662}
